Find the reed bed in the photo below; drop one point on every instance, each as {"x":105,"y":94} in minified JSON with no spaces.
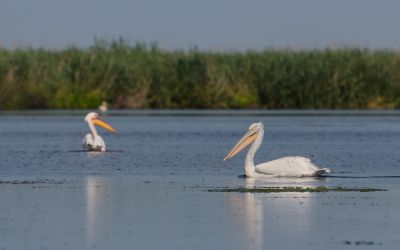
{"x":145,"y":76}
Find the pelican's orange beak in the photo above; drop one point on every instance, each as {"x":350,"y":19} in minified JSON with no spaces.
{"x":247,"y":139}
{"x":103,"y":124}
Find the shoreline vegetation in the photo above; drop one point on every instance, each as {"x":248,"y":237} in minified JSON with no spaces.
{"x":142,"y":76}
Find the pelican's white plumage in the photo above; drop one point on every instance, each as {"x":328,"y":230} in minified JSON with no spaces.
{"x":291,"y":166}
{"x":103,"y":107}
{"x":94,"y":144}
{"x":93,"y":141}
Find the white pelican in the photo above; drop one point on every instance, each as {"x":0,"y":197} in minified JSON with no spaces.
{"x":291,"y":166}
{"x":93,"y":141}
{"x":103,"y":107}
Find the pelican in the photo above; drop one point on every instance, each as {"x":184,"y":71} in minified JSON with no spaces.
{"x":103,"y":107}
{"x":93,"y":141}
{"x":291,"y":166}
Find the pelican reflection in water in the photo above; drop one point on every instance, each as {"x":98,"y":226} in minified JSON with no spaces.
{"x":260,"y":218}
{"x":291,"y":166}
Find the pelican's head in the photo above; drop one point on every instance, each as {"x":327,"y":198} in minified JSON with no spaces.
{"x":257,"y":126}
{"x":94,"y":118}
{"x":247,"y":139}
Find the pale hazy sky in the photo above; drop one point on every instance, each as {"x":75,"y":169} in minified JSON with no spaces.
{"x":207,"y":24}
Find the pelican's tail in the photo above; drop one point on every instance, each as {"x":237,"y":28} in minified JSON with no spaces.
{"x":323,"y":171}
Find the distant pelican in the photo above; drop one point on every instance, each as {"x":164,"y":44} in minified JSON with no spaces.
{"x":93,"y":141}
{"x":291,"y":166}
{"x":103,"y":107}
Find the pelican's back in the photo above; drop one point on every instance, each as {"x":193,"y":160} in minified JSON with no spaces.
{"x":291,"y":166}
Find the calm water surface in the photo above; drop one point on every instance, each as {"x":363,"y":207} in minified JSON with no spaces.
{"x":150,"y":190}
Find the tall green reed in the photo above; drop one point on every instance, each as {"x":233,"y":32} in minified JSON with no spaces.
{"x":145,"y":76}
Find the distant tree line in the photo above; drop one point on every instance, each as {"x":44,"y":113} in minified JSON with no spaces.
{"x":145,"y":76}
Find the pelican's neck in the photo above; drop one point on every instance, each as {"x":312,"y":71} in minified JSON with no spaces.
{"x":92,"y":129}
{"x":249,"y":166}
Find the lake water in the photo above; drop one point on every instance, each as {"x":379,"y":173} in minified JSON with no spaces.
{"x":150,"y":190}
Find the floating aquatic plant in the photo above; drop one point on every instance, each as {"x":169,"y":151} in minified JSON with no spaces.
{"x":321,"y":189}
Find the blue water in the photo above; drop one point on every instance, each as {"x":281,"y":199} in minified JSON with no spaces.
{"x":42,"y":146}
{"x":150,"y":190}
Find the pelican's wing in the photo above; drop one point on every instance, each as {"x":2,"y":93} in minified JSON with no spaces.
{"x":88,"y":141}
{"x":291,"y":166}
{"x":99,"y":143}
